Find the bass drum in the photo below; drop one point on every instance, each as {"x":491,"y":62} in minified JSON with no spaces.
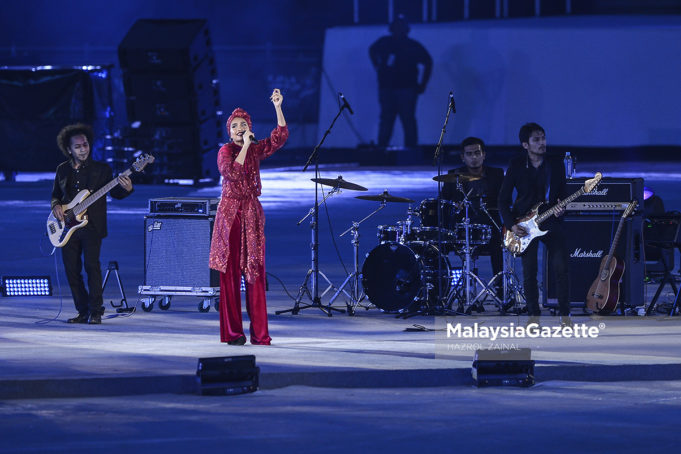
{"x":395,"y":275}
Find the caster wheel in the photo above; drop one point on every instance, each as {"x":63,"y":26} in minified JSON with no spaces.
{"x":147,"y":305}
{"x":204,"y":306}
{"x":164,"y":304}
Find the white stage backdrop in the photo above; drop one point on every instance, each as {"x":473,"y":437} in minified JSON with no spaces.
{"x":590,"y":81}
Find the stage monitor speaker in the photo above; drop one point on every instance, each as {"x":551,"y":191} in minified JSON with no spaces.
{"x":176,"y":250}
{"x":165,"y":45}
{"x":588,"y":241}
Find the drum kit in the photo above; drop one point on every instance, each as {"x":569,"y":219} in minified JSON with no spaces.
{"x":409,"y":272}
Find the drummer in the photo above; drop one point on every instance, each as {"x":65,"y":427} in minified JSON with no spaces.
{"x":484,"y":189}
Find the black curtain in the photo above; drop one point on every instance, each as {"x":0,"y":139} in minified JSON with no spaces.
{"x":34,"y":106}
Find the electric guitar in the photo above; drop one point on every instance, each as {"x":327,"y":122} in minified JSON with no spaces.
{"x":75,"y":216}
{"x":530,"y":222}
{"x":604,"y":293}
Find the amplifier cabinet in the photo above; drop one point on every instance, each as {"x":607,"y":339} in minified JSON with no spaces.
{"x":588,"y":241}
{"x":609,"y":190}
{"x":176,"y":250}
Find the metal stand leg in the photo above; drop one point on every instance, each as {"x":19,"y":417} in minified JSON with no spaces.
{"x":310,"y":290}
{"x":356,"y":296}
{"x":123,"y":305}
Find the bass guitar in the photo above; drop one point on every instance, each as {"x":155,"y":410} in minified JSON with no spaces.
{"x":604,"y":293}
{"x":530,"y":222}
{"x":75,"y":213}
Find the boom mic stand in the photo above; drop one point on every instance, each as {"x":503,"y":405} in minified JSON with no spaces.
{"x":313,"y":272}
{"x":437,"y":158}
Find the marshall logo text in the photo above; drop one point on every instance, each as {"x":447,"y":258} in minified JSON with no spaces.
{"x":580,"y":254}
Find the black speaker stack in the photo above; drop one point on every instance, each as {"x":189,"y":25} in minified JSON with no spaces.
{"x":172,"y":97}
{"x":590,"y":225}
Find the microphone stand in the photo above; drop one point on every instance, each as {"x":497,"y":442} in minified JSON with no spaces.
{"x":437,"y":159}
{"x":313,"y":272}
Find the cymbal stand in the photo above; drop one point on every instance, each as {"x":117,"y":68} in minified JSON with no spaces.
{"x":513,"y":292}
{"x":356,"y":296}
{"x":314,"y":272}
{"x":467,"y":274}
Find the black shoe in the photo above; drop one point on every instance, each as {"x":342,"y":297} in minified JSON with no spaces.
{"x":566,"y":321}
{"x":238,"y":341}
{"x":80,"y":318}
{"x":95,"y":319}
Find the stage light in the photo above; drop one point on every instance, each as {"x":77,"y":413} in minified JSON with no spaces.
{"x":503,"y":367}
{"x":455,"y":274}
{"x":26,"y":286}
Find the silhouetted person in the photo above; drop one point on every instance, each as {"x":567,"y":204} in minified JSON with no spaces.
{"x":396,"y":58}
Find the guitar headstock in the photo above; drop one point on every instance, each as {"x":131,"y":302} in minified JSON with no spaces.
{"x":630,"y":208}
{"x":142,"y":161}
{"x":590,"y":184}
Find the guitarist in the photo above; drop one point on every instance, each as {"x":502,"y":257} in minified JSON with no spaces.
{"x":537,"y":178}
{"x":83,"y":248}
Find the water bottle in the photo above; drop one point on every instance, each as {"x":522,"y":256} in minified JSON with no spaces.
{"x":569,"y":165}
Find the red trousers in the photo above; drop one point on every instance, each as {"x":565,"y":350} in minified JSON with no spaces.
{"x":231,"y":324}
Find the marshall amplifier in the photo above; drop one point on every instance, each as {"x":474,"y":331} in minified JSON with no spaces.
{"x":588,"y":241}
{"x":611,"y":194}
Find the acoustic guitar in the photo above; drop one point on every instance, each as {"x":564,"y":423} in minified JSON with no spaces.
{"x":604,"y":293}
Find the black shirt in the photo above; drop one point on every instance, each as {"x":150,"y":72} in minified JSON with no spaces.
{"x":91,"y":175}
{"x":531,"y":185}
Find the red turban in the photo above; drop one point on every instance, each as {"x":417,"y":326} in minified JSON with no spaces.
{"x":239,"y":113}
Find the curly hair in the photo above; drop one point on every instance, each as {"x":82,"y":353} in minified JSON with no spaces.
{"x":64,"y":136}
{"x":239,"y":113}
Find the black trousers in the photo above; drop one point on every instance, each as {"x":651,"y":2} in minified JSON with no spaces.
{"x":558,"y":264}
{"x":83,"y":249}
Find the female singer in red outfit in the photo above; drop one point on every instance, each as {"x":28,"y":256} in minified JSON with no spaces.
{"x":238,"y":243}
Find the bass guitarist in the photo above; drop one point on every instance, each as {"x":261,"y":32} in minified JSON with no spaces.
{"x":537,"y":178}
{"x":83,"y":248}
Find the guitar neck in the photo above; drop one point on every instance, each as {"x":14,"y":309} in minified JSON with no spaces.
{"x":551,"y":211}
{"x":615,"y":240}
{"x":92,"y":198}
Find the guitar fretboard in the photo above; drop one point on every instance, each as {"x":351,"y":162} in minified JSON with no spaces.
{"x":92,"y":198}
{"x":551,"y":211}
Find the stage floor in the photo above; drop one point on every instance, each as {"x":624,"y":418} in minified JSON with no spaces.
{"x":370,"y":383}
{"x":158,"y":350}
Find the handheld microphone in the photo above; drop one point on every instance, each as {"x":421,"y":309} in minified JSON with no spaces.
{"x":345,"y":103}
{"x":252,"y":137}
{"x":451,"y":102}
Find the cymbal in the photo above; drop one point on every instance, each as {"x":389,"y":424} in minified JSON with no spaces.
{"x":454,"y":177}
{"x":339,"y":183}
{"x":384,"y":197}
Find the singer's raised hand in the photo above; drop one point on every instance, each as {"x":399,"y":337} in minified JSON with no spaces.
{"x":277,"y":98}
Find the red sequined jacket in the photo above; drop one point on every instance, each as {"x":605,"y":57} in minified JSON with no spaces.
{"x":240,"y":190}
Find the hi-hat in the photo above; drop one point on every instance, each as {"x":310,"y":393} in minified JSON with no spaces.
{"x":384,"y":197}
{"x":454,"y":177}
{"x":339,"y":183}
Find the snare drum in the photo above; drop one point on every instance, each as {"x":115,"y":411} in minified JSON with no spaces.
{"x":431,"y":234}
{"x":388,"y":234}
{"x":479,"y":234}
{"x":427,"y":212}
